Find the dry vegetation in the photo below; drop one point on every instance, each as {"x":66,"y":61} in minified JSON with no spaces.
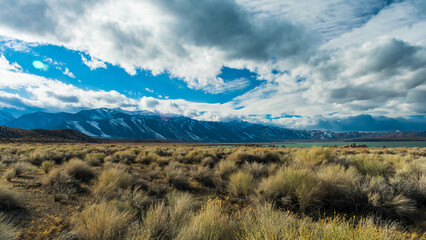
{"x":129,"y":191}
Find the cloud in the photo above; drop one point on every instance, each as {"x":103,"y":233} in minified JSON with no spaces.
{"x":93,"y":63}
{"x":6,"y":66}
{"x":68,"y":73}
{"x":331,"y":18}
{"x":402,"y":20}
{"x":227,"y":87}
{"x":373,"y":76}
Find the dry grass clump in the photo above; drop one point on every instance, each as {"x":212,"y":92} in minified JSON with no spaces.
{"x":110,"y":182}
{"x":7,"y":230}
{"x":210,"y":223}
{"x":166,"y":221}
{"x":20,"y":168}
{"x":208,"y":161}
{"x":289,"y":187}
{"x":157,"y":222}
{"x":225,"y":168}
{"x":147,"y":158}
{"x":268,"y":223}
{"x":241,"y":184}
{"x":60,"y":184}
{"x":313,"y":156}
{"x":46,"y":166}
{"x":265,"y":222}
{"x":258,"y":170}
{"x":127,"y":156}
{"x":372,"y":165}
{"x":79,"y":170}
{"x":9,"y":199}
{"x":10,"y":174}
{"x":95,"y":158}
{"x":390,"y":204}
{"x":342,"y":186}
{"x":206,"y":177}
{"x":101,"y":221}
{"x":194,"y":157}
{"x":42,"y":154}
{"x":260,"y":156}
{"x":176,"y":177}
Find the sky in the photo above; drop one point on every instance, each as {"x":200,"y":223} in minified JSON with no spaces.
{"x":331,"y":64}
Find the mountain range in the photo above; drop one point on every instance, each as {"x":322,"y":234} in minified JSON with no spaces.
{"x":121,"y":124}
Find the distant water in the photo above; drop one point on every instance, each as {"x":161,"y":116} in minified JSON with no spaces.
{"x":393,"y":144}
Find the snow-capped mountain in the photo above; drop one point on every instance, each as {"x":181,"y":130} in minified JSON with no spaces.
{"x":117,"y":123}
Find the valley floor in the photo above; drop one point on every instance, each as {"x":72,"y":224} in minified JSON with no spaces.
{"x":176,"y":191}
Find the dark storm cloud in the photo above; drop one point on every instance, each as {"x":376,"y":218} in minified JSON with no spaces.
{"x":13,"y":101}
{"x":152,"y":103}
{"x":374,"y":75}
{"x":370,"y":123}
{"x":351,"y":93}
{"x":390,"y":57}
{"x":41,"y":16}
{"x":32,"y":16}
{"x":65,"y":99}
{"x":227,"y":26}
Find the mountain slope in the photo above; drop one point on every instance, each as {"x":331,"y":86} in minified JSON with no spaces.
{"x":117,"y":123}
{"x":5,"y":117}
{"x":42,"y":135}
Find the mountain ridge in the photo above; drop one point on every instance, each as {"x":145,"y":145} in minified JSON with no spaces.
{"x":122,"y":124}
